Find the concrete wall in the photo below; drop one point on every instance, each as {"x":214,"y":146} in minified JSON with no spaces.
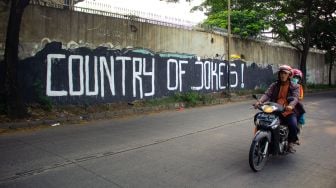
{"x":75,"y":31}
{"x":42,"y":24}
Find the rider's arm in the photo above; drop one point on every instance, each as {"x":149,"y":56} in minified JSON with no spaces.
{"x":268,"y":94}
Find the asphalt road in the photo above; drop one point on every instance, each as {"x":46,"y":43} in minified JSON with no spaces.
{"x":200,"y":147}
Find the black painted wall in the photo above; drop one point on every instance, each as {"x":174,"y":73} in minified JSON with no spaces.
{"x":107,"y":75}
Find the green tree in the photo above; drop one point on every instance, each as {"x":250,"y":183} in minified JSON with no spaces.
{"x":212,"y":6}
{"x":247,"y":19}
{"x":294,"y":21}
{"x":324,"y":36}
{"x":245,"y":23}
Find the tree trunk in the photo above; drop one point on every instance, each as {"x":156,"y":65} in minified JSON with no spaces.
{"x":331,"y":63}
{"x":307,"y":40}
{"x":14,"y":102}
{"x":303,"y":64}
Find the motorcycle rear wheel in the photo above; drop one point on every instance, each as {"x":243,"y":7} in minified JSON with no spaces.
{"x":257,"y":157}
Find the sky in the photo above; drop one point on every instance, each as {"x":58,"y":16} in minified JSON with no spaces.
{"x":153,"y":9}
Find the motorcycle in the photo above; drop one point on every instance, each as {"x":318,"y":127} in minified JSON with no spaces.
{"x":271,"y":137}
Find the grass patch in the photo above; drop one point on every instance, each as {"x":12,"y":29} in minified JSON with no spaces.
{"x":193,"y":98}
{"x":160,"y":101}
{"x":190,"y":99}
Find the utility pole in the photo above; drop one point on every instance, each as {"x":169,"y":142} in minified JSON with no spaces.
{"x":228,"y":47}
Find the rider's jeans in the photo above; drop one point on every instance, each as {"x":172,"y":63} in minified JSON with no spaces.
{"x":291,"y":121}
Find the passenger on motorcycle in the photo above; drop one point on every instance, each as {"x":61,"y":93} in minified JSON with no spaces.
{"x":279,"y":92}
{"x":297,"y":79}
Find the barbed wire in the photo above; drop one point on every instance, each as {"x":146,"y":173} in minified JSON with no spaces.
{"x":119,"y":12}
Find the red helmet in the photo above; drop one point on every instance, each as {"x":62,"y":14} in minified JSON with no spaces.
{"x":286,"y":68}
{"x":297,"y":72}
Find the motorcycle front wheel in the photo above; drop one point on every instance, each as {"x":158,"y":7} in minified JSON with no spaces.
{"x":259,"y":153}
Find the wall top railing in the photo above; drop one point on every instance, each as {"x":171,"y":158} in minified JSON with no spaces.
{"x":146,"y":17}
{"x":117,"y":12}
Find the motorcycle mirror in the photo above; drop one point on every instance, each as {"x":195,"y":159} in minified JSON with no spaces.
{"x":255,"y":96}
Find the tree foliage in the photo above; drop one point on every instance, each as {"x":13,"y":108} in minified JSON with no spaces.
{"x":245,"y":23}
{"x":293,"y":21}
{"x":324,"y":36}
{"x":212,"y":6}
{"x":304,"y":18}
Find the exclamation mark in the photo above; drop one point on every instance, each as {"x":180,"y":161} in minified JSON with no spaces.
{"x":242,"y":75}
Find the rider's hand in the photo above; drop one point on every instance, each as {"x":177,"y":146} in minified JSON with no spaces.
{"x":289,"y":108}
{"x":256,"y":104}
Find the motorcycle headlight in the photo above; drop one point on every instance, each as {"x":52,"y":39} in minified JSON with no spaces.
{"x":268,"y":108}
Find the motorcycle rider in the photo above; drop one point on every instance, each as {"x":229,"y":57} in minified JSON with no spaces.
{"x":279,"y":92}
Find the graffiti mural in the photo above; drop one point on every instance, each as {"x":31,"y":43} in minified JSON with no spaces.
{"x":103,"y":75}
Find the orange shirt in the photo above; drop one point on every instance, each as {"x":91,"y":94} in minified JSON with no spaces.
{"x":282,"y":97}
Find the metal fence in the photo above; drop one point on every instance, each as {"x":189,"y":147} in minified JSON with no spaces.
{"x":141,"y":16}
{"x":117,"y":12}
